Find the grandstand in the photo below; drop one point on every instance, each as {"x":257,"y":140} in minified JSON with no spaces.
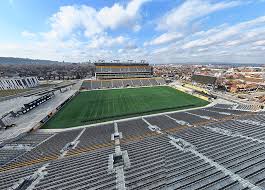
{"x":204,"y":79}
{"x":242,"y":107}
{"x":214,"y":147}
{"x":123,"y":70}
{"x":121,"y":83}
{"x":120,"y":75}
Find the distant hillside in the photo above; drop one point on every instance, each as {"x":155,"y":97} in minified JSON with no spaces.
{"x":14,"y":60}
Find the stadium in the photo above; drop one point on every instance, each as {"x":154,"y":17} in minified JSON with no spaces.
{"x":126,"y":129}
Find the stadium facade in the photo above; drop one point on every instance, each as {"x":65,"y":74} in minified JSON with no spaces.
{"x":123,"y":70}
{"x":18,"y":83}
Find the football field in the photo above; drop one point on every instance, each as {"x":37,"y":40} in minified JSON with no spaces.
{"x":104,"y":105}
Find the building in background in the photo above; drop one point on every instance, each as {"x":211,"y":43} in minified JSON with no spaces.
{"x":18,"y":83}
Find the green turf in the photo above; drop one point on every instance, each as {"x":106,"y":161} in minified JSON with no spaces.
{"x":103,"y":105}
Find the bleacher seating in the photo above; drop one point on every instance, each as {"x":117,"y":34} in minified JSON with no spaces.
{"x":117,"y":84}
{"x":87,"y":171}
{"x":247,"y":107}
{"x":210,"y":113}
{"x":122,"y":69}
{"x":160,"y":81}
{"x":153,"y":82}
{"x":187,"y":117}
{"x":161,"y":120}
{"x":146,"y":82}
{"x":235,"y":112}
{"x":18,"y":147}
{"x":51,"y":147}
{"x":224,"y":106}
{"x":137,"y":83}
{"x":95,"y":84}
{"x":95,"y":135}
{"x":9,"y":178}
{"x":7,"y":155}
{"x":31,"y":139}
{"x":133,"y":127}
{"x":106,"y":84}
{"x":225,"y":154}
{"x":240,"y":107}
{"x":121,"y":83}
{"x":127,"y":82}
{"x":204,"y":79}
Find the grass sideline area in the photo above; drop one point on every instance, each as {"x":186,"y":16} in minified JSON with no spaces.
{"x":104,"y":105}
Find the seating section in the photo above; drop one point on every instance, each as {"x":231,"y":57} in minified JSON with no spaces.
{"x":127,"y":82}
{"x":95,"y":135}
{"x":133,"y":127}
{"x":146,"y":82}
{"x":49,"y":148}
{"x":160,"y":81}
{"x":234,"y":112}
{"x":95,"y":84}
{"x":147,"y":170}
{"x":87,"y":85}
{"x":87,"y":171}
{"x":122,"y":69}
{"x":240,"y":155}
{"x":138,"y":82}
{"x":106,"y":84}
{"x":160,"y":121}
{"x":203,"y":79}
{"x":155,"y":164}
{"x":121,"y":83}
{"x":241,"y":107}
{"x":210,"y":113}
{"x":18,"y":147}
{"x":31,"y":139}
{"x":191,"y":119}
{"x":9,"y":178}
{"x":153,"y":82}
{"x":7,"y":155}
{"x":222,"y":153}
{"x":251,"y":126}
{"x":116,"y":83}
{"x":224,"y":106}
{"x":247,"y":107}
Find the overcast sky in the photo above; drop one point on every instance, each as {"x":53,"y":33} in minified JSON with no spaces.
{"x":160,"y":31}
